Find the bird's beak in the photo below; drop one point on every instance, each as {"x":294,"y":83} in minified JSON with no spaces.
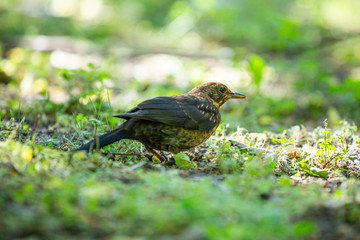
{"x":236,"y":95}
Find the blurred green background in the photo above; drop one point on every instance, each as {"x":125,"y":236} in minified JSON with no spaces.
{"x":298,"y":61}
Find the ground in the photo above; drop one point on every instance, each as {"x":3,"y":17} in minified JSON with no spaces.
{"x":295,"y":184}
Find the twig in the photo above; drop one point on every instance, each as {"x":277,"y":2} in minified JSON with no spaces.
{"x":136,"y":166}
{"x":266,"y":153}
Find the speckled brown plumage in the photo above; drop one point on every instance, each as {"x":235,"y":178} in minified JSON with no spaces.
{"x":175,"y":123}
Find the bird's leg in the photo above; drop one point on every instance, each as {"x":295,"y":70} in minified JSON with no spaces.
{"x":152,"y":151}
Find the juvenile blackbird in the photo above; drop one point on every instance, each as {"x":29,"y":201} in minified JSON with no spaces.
{"x":174,"y":123}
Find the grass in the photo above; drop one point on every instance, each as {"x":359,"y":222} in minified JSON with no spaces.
{"x":95,"y":197}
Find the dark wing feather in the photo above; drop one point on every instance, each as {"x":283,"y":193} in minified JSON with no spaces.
{"x":179,"y":110}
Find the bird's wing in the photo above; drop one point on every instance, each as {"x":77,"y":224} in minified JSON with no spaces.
{"x":180,"y":110}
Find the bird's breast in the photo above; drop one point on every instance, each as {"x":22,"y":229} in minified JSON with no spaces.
{"x":169,"y":138}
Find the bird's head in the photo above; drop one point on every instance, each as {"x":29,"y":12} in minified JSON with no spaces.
{"x":217,"y":93}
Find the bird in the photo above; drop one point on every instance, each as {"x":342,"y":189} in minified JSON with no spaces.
{"x":174,"y":123}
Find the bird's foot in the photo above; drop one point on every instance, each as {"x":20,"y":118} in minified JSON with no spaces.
{"x":152,"y":151}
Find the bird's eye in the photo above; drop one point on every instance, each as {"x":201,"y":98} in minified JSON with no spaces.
{"x":222,"y":89}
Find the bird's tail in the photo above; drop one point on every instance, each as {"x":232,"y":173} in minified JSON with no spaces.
{"x":105,"y":139}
